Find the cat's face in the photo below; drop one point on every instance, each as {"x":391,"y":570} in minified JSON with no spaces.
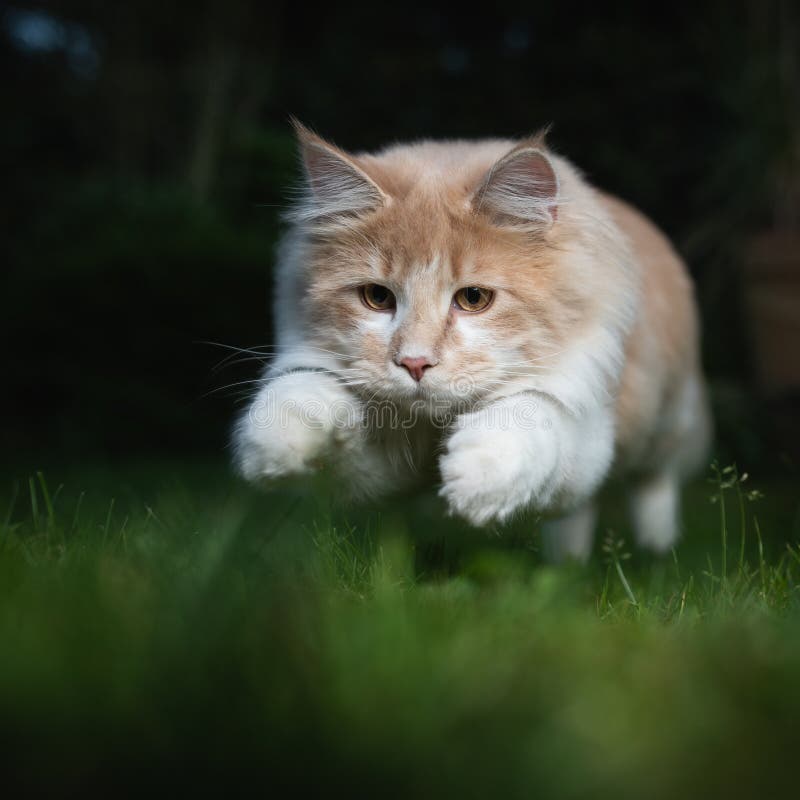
{"x":428,"y":291}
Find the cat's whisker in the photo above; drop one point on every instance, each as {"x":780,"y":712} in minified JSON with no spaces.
{"x":326,"y":351}
{"x":273,"y":350}
{"x":231,"y":361}
{"x":373,"y":396}
{"x":255,"y":350}
{"x":522,"y":368}
{"x":231,"y":358}
{"x":496,"y":384}
{"x":541,"y":358}
{"x":515,"y":377}
{"x":522,"y":372}
{"x":219,"y":389}
{"x":262,"y":381}
{"x":352,"y":384}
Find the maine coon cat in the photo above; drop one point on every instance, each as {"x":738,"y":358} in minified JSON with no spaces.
{"x":528,"y":335}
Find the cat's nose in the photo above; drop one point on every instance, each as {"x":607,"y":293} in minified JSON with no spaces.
{"x":415,"y":366}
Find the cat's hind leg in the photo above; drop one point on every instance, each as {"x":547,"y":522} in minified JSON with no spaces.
{"x":571,"y":535}
{"x":655,"y":510}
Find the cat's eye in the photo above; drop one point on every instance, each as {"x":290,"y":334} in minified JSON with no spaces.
{"x":473,"y":298}
{"x":377,"y":297}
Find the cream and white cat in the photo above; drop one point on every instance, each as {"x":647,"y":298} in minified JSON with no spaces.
{"x":513,"y":326}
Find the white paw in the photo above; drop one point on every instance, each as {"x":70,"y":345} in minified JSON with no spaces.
{"x":490,"y":471}
{"x":292,"y":425}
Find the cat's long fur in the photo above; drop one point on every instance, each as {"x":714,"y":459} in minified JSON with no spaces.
{"x":585,"y":363}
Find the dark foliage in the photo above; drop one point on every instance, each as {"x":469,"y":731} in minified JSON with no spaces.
{"x":146,"y":155}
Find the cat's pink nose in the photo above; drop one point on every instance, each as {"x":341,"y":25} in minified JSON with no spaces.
{"x":415,"y":366}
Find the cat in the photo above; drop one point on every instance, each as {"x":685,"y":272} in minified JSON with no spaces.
{"x":529,"y":335}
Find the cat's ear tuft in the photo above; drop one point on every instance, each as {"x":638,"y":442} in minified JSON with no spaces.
{"x":521,"y":189}
{"x":338,"y":187}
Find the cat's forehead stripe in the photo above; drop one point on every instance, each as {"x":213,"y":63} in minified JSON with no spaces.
{"x":437,"y":266}
{"x":380,"y":265}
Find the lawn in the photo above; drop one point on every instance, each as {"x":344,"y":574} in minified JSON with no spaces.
{"x":165,"y":626}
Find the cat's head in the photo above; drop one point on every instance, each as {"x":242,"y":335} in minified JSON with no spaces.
{"x":436,"y":271}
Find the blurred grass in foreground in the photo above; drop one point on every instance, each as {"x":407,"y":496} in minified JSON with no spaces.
{"x":193,"y":632}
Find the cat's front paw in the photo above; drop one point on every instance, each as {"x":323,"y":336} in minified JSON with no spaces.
{"x":291,"y":426}
{"x":481,"y":478}
{"x":491,"y":470}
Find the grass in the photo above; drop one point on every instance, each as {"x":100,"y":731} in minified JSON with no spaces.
{"x":168,"y":627}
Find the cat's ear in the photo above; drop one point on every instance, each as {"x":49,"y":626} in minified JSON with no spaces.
{"x":521,"y":189}
{"x":338,"y":187}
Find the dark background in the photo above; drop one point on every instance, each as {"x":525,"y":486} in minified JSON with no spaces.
{"x":146,"y":155}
